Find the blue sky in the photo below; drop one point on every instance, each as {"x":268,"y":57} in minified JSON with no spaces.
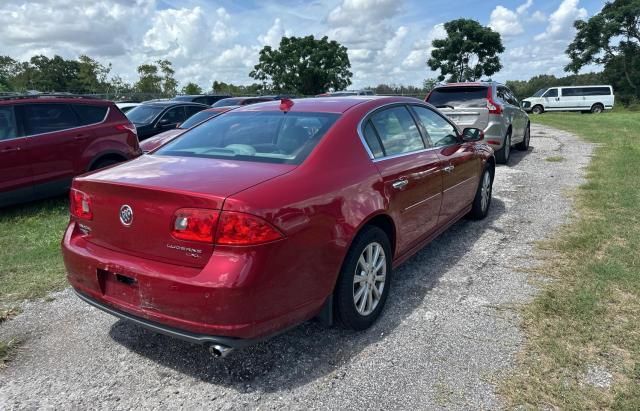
{"x":389,"y":41}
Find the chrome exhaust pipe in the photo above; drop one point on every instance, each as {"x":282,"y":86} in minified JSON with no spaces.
{"x":219,"y":351}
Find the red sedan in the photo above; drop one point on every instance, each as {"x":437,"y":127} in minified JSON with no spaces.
{"x":273,"y":214}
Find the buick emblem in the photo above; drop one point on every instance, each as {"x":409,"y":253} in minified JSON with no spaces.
{"x":126,"y":215}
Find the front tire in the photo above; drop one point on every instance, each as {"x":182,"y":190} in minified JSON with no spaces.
{"x":524,"y":144}
{"x":537,"y":109}
{"x":503,"y":155}
{"x":482,"y":200}
{"x":363,"y":285}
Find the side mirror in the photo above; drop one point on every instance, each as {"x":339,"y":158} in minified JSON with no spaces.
{"x":472,"y":134}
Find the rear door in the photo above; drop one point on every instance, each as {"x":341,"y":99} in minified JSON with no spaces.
{"x":410,"y":171}
{"x":459,"y":162}
{"x":464,"y":105}
{"x":56,"y":142}
{"x":16,"y":175}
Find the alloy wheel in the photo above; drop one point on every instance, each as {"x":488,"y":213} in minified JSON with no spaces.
{"x":369,"y":279}
{"x":485,"y":191}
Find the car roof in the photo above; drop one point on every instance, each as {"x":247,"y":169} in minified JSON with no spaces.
{"x":44,"y":98}
{"x":325,"y":105}
{"x":168,"y":103}
{"x":469,"y":84}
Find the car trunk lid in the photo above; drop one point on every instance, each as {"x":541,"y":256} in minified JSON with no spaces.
{"x":154,"y":188}
{"x":464,"y":105}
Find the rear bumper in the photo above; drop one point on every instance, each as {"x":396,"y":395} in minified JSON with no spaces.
{"x":194,"y":338}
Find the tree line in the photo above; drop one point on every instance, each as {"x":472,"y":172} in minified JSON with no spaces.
{"x":309,"y":66}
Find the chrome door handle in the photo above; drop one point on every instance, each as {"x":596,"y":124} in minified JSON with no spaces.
{"x":400,"y":184}
{"x":448,"y":169}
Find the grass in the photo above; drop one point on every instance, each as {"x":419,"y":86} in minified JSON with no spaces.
{"x":30,"y":260}
{"x":589,"y":314}
{"x":6,"y":351}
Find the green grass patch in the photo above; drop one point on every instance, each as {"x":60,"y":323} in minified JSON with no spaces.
{"x":554,"y":159}
{"x":589,"y":315}
{"x":30,"y":259}
{"x":6,"y":349}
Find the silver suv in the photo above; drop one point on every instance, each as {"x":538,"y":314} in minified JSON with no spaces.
{"x":489,"y":106}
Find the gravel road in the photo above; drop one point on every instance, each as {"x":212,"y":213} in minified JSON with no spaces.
{"x":448,"y":333}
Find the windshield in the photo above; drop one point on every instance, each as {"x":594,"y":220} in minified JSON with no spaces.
{"x":540,"y":92}
{"x":270,"y":136}
{"x":143,"y":114}
{"x":452,"y":97}
{"x":198,"y":118}
{"x":228,"y":102}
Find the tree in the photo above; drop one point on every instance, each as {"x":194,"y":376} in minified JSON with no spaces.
{"x":304,"y":65}
{"x":169,"y":83}
{"x":149,"y":81}
{"x":92,"y":76}
{"x":191,"y":88}
{"x":610,"y":38}
{"x":8,"y":70}
{"x":429,"y":84}
{"x":469,"y":51}
{"x":250,"y":90}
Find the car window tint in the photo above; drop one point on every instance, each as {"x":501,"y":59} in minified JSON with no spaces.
{"x":197,"y":118}
{"x":440,"y":131}
{"x":90,"y":114}
{"x":191,"y":110}
{"x":397,"y":130}
{"x":551,"y":93}
{"x":47,"y":118}
{"x":372,"y":140}
{"x":459,"y":96}
{"x":143,"y":114}
{"x":273,"y":136}
{"x":8,"y":128}
{"x":174,"y":115}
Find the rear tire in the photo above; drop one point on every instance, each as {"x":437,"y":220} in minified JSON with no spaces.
{"x":482,"y":200}
{"x":597,"y":108}
{"x":363,"y":284}
{"x":503,"y":155}
{"x":537,"y":109}
{"x":524,"y":144}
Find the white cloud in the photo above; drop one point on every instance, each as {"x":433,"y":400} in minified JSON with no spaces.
{"x":421,"y":51}
{"x":273,"y":36}
{"x":505,"y":21}
{"x":524,"y":7}
{"x":560,"y":25}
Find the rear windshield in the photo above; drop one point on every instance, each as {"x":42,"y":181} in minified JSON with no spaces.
{"x":274,"y":137}
{"x":459,"y":97}
{"x":198,"y":118}
{"x":143,"y":114}
{"x":228,"y":102}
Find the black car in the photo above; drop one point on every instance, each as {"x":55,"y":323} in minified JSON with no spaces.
{"x":207,"y":99}
{"x":151,"y":118}
{"x":241,"y":101}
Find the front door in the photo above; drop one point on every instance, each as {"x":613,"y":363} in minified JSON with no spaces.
{"x":551,"y":99}
{"x":411,"y":173}
{"x":16,"y":176}
{"x":459,"y":163}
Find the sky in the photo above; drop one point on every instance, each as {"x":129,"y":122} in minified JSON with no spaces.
{"x":389,"y":41}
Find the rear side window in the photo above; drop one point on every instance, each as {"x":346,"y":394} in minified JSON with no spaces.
{"x":47,"y":118}
{"x":174,"y":115}
{"x":90,"y":114}
{"x":586,"y":91}
{"x":273,"y":136}
{"x":459,"y":97}
{"x":398,"y":132}
{"x":191,"y":110}
{"x":8,"y":129}
{"x":372,"y":140}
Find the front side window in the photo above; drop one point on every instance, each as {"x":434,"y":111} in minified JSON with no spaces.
{"x":440,"y":131}
{"x":275,"y":137}
{"x":47,"y":118}
{"x":174,"y":115}
{"x":552,"y":93}
{"x":397,"y":131}
{"x":8,"y":128}
{"x":539,"y":93}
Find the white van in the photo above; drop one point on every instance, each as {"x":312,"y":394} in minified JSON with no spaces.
{"x":587,"y":99}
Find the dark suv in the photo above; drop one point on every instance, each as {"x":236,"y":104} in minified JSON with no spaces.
{"x":207,"y":99}
{"x":155,"y":117}
{"x":46,"y":140}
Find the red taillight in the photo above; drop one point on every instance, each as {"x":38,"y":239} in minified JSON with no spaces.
{"x":80,"y":205}
{"x":127,"y":127}
{"x":244,"y":229}
{"x":494,"y":108}
{"x":194,"y":224}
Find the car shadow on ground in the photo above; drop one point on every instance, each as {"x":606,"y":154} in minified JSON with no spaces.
{"x":312,"y":351}
{"x":517,"y":156}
